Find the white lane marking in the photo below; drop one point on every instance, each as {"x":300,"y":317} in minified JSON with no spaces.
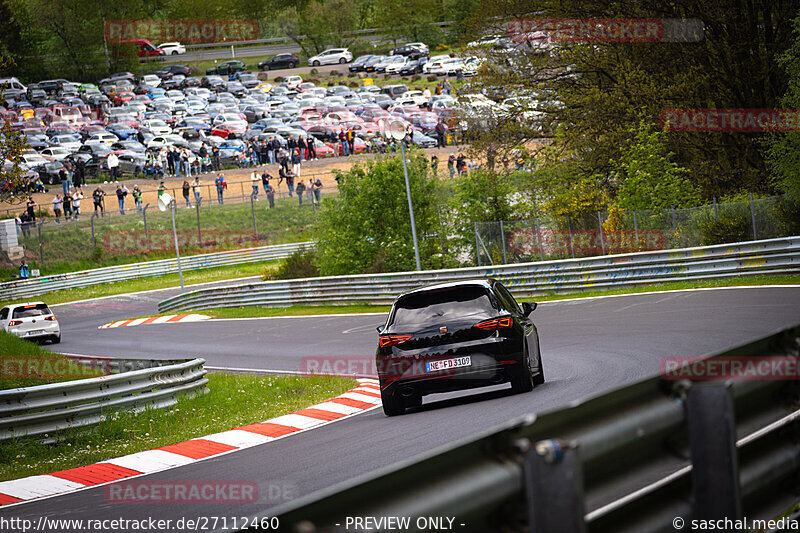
{"x":150,"y":461}
{"x":36,"y":486}
{"x":238,"y":438}
{"x":355,"y":395}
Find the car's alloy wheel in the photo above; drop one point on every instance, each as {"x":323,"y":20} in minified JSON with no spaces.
{"x":174,"y":52}
{"x":315,"y":64}
{"x":265,"y":67}
{"x":342,"y":61}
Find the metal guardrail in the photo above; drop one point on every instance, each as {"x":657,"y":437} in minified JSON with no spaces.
{"x":648,"y":457}
{"x":41,"y":285}
{"x":775,"y":256}
{"x":46,"y":409}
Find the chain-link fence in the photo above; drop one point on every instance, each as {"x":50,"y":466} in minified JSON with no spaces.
{"x":94,"y":239}
{"x":544,"y":238}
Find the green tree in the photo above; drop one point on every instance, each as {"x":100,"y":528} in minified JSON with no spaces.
{"x":647,"y":178}
{"x":783,"y":149}
{"x":367,"y":227}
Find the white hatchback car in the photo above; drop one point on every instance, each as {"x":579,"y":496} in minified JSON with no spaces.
{"x":331,"y":57}
{"x":172,"y":49}
{"x":32,"y":320}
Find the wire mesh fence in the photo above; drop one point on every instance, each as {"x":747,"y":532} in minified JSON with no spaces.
{"x":546,"y":238}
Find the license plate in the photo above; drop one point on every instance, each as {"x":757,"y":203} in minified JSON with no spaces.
{"x":447,"y":364}
{"x":33,"y":332}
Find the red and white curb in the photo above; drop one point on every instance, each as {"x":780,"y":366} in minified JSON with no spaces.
{"x":166,"y":319}
{"x":363,"y":398}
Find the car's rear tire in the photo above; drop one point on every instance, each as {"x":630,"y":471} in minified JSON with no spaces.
{"x":392,"y":405}
{"x":174,"y":52}
{"x":292,"y":65}
{"x":342,"y":61}
{"x":522,"y":378}
{"x":538,"y":378}
{"x":55,"y":339}
{"x":265,"y":68}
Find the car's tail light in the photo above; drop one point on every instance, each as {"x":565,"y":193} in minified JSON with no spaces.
{"x":51,"y":317}
{"x":495,"y":323}
{"x":391,"y":340}
{"x":15,"y":323}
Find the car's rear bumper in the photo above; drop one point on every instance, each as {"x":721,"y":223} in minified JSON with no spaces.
{"x":45,"y":332}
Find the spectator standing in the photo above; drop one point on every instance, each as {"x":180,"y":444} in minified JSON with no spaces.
{"x":80,"y":173}
{"x":461,"y":164}
{"x":451,"y":165}
{"x":122,"y":192}
{"x":57,"y":201}
{"x":290,"y":182}
{"x":302,"y":147}
{"x":343,"y":141}
{"x":196,"y":189}
{"x":441,"y":132}
{"x":255,"y":179}
{"x":161,"y":189}
{"x":296,"y":162}
{"x":113,"y":166}
{"x":491,"y":155}
{"x":30,"y":208}
{"x":283,"y":160}
{"x":215,"y":157}
{"x":24,"y":270}
{"x":185,"y":189}
{"x":220,"y":184}
{"x":351,"y":140}
{"x":66,"y":183}
{"x":67,"y":206}
{"x":318,"y":190}
{"x":312,"y":147}
{"x":435,"y":164}
{"x":270,"y":195}
{"x":301,"y":188}
{"x":98,"y":198}
{"x":446,"y":86}
{"x":77,"y":196}
{"x":137,"y":198}
{"x":310,"y":191}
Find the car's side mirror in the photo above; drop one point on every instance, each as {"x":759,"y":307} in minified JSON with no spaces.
{"x":379,"y":328}
{"x":528,"y":308}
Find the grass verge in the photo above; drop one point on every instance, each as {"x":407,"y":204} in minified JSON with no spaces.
{"x":26,"y":364}
{"x":233,"y":401}
{"x":190,"y":277}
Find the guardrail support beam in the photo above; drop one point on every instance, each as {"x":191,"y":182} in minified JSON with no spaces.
{"x":554,"y":488}
{"x":712,"y":442}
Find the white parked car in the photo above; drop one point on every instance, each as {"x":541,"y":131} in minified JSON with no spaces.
{"x":331,"y":57}
{"x":396,"y":64}
{"x":32,"y":320}
{"x":172,"y":49}
{"x":31,"y":159}
{"x":105,"y":138}
{"x":152,"y":80}
{"x":442,"y":67}
{"x":417,"y":96}
{"x":55,"y":153}
{"x":156,"y":127}
{"x":292,"y":82}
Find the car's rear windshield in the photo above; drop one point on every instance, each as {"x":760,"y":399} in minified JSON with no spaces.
{"x":31,"y":311}
{"x":440,"y":305}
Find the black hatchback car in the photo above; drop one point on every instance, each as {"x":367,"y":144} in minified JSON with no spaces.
{"x":455,"y":336}
{"x":279,"y":61}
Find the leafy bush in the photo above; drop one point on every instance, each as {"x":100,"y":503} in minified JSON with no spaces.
{"x":353,"y":84}
{"x":279,"y":79}
{"x":301,"y":264}
{"x":787,"y":213}
{"x":729,"y":226}
{"x":313,"y":72}
{"x":432,"y":78}
{"x":335,"y":74}
{"x":415,"y":77}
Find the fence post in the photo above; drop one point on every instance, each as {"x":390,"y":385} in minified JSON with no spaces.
{"x":199,"y":235}
{"x":553,"y":477}
{"x":477,"y":245}
{"x":41,"y":245}
{"x":716,"y":214}
{"x":753,"y":217}
{"x":635,"y":230}
{"x":539,"y":238}
{"x":144,"y":218}
{"x":253,"y":211}
{"x":569,"y":232}
{"x":712,"y":445}
{"x":602,"y":241}
{"x":91,"y":219}
{"x":674,"y":222}
{"x":503,"y":238}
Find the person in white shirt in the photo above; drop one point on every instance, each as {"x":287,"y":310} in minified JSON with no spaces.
{"x":77,"y":196}
{"x":113,"y":166}
{"x":255,"y":180}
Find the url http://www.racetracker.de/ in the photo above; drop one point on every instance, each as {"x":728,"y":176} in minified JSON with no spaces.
{"x":143,"y":525}
{"x":738,"y":524}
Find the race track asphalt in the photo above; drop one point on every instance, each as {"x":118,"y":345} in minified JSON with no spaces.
{"x":588,"y":347}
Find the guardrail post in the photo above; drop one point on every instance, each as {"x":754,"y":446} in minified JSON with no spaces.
{"x":253,"y":211}
{"x":712,"y":443}
{"x":600,"y":227}
{"x":553,"y":477}
{"x":144,"y":218}
{"x":753,"y":217}
{"x":503,"y":239}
